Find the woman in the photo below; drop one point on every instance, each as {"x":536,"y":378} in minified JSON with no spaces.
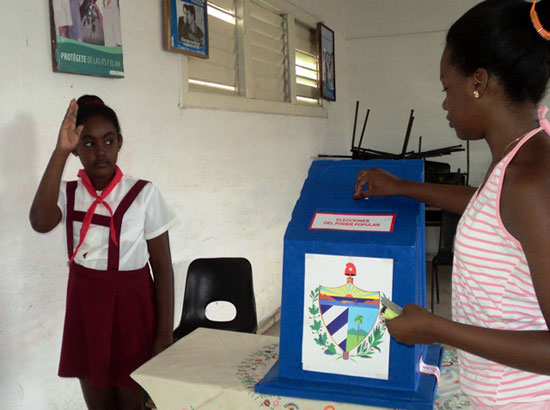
{"x":494,"y":70}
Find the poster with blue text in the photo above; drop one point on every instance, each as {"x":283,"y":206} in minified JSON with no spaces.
{"x":86,"y":37}
{"x":186,"y":27}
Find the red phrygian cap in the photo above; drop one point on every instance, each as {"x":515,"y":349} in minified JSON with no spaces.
{"x":350,"y":269}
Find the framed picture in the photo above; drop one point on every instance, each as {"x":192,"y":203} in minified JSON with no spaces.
{"x":86,"y":37}
{"x":186,"y":27}
{"x":326,"y":62}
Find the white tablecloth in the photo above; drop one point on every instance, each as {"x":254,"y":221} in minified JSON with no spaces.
{"x":216,"y":370}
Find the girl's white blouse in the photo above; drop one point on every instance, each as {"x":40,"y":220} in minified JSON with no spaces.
{"x":148,"y":217}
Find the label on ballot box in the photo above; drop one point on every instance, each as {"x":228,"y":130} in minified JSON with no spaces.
{"x":353,"y":222}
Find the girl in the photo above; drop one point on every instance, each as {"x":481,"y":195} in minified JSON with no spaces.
{"x":494,"y":70}
{"x":116,"y":226}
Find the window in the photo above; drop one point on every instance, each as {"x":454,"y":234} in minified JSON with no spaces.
{"x":219,"y":72}
{"x":263,"y":57}
{"x":307,"y":64}
{"x":267,"y":54}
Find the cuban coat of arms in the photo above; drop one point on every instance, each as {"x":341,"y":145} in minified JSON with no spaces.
{"x":343,"y":331}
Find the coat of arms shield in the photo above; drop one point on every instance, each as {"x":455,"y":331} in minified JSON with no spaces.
{"x":349,"y":314}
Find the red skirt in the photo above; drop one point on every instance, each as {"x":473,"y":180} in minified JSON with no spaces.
{"x":110,"y":325}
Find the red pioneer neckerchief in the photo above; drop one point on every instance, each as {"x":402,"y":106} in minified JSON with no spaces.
{"x":99,"y":199}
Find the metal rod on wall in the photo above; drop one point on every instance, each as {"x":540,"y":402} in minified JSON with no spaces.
{"x":354,"y":125}
{"x":363,"y":130}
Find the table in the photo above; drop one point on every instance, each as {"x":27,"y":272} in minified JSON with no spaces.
{"x":216,"y":370}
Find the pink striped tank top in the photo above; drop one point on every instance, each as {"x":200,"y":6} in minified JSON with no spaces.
{"x":492,"y":288}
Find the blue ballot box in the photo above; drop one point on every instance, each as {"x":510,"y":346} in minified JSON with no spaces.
{"x":341,"y":256}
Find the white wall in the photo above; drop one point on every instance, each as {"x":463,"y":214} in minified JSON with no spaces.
{"x":399,"y":45}
{"x":233,"y":178}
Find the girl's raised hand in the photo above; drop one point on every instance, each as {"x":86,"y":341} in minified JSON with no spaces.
{"x":380,"y":183}
{"x":69,"y":133}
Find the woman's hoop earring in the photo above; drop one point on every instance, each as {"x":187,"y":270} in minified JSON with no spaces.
{"x":545,"y":34}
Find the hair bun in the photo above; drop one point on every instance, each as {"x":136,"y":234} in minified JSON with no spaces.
{"x":92,"y":105}
{"x":89,"y":99}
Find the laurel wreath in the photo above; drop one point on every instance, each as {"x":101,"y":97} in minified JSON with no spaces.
{"x":365,"y":350}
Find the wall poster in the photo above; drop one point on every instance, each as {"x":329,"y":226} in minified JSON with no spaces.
{"x":86,"y":37}
{"x":326,"y":62}
{"x":343,"y":331}
{"x":186,"y":27}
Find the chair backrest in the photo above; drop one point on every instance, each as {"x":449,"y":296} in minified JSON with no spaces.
{"x":218,"y":279}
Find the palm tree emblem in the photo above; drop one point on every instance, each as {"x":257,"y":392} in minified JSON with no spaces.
{"x":359,"y":320}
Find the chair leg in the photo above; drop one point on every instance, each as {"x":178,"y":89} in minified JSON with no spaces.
{"x":436,"y":274}
{"x":432,"y":290}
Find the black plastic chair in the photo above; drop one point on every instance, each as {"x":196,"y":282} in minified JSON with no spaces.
{"x":449,"y":222}
{"x":218,"y":279}
{"x":211,"y":280}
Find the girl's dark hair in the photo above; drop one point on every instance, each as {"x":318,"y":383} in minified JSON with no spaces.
{"x":90,"y":106}
{"x":498,"y":35}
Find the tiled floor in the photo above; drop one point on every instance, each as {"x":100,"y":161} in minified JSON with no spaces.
{"x":441,"y":309}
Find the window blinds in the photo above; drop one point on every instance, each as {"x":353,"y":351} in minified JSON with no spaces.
{"x":254,"y":49}
{"x":221,"y":66}
{"x":267,"y":57}
{"x":307,"y":62}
